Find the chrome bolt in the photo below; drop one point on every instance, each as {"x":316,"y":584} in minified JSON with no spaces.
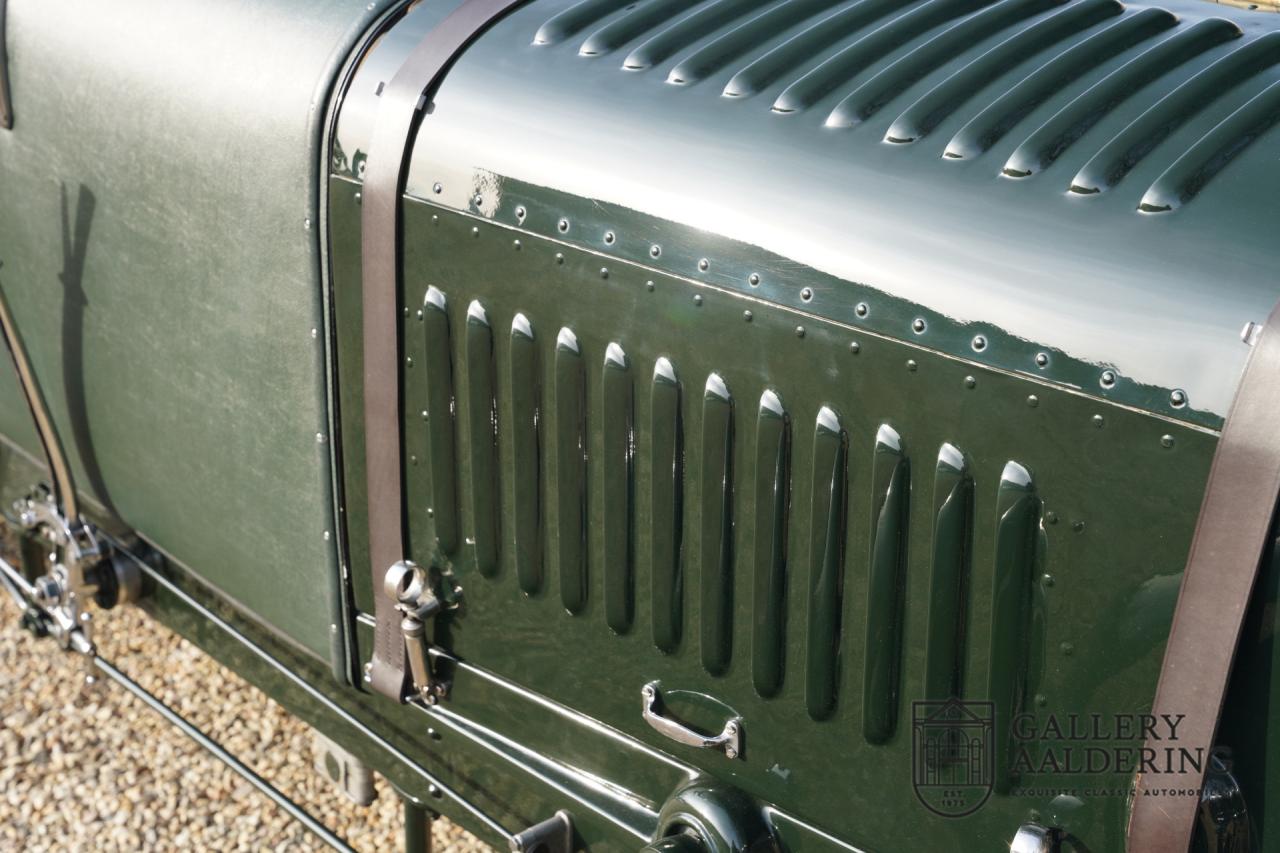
{"x":704,"y":265}
{"x":1108,"y":378}
{"x":861,"y":309}
{"x":979,"y":343}
{"x":1178,"y":398}
{"x":917,"y":326}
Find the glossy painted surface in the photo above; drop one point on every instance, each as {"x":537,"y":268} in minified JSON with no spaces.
{"x":1053,"y":580}
{"x":754,"y":160}
{"x":159,"y":246}
{"x":868,"y":211}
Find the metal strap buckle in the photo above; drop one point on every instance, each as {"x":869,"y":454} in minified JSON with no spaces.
{"x":409,"y":585}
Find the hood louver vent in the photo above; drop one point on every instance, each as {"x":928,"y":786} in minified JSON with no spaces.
{"x":867,"y":54}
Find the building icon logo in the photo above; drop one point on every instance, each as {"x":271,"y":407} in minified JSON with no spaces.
{"x":952,"y":755}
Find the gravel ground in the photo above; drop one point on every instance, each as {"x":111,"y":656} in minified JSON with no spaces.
{"x":92,"y":768}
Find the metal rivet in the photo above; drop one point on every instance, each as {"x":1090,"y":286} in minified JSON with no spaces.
{"x":1108,"y":378}
{"x":697,"y":299}
{"x":437,"y":189}
{"x":320,"y":438}
{"x":1077,"y":526}
{"x":434,"y":791}
{"x":855,"y":347}
{"x":970,"y":382}
{"x":327,"y":536}
{"x":1099,"y":421}
{"x":917,"y":325}
{"x":515,"y":244}
{"x":413,"y":460}
{"x":306,"y":224}
{"x":314,"y":334}
{"x":911,"y":365}
{"x":609,"y":237}
{"x":753,"y":279}
{"x":649,"y":285}
{"x":431,"y":512}
{"x":563,"y":225}
{"x":475,"y":231}
{"x":408,"y":361}
{"x":1047,"y":580}
{"x":1249,"y":334}
{"x":435,"y":220}
{"x":1033,"y":400}
{"x":1051,"y":517}
{"x":747,"y":315}
{"x":1042,"y":359}
{"x":477,"y":201}
{"x":406,"y":310}
{"x":655,"y":251}
{"x":521,"y":213}
{"x":359,"y":198}
{"x":1178,"y":398}
{"x":1067,"y":649}
{"x":426,"y":416}
{"x":861,"y":309}
{"x":559,"y":257}
{"x":979,"y":343}
{"x":806,"y":294}
{"x":1166,"y":441}
{"x":419,"y":314}
{"x":799,"y":331}
{"x":704,"y":265}
{"x":604,"y":272}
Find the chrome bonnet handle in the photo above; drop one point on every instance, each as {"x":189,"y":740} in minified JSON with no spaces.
{"x":729,"y":741}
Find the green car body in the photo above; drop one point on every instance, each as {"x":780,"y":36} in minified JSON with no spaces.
{"x":805,"y":360}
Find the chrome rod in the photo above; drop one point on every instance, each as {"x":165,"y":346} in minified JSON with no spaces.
{"x":216,"y":749}
{"x":329,"y":705}
{"x":64,"y":490}
{"x":24,"y":595}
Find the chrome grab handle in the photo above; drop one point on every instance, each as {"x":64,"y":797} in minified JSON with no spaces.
{"x":728,"y":741}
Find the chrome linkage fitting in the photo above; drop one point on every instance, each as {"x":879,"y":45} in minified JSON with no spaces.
{"x":410,"y":586}
{"x":81,"y":566}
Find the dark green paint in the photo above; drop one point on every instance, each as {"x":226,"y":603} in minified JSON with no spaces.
{"x":161,"y":250}
{"x":1110,"y":590}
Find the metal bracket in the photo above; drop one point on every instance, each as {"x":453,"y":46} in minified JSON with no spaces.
{"x":553,"y":835}
{"x":80,"y":564}
{"x":409,"y":585}
{"x":351,"y":775}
